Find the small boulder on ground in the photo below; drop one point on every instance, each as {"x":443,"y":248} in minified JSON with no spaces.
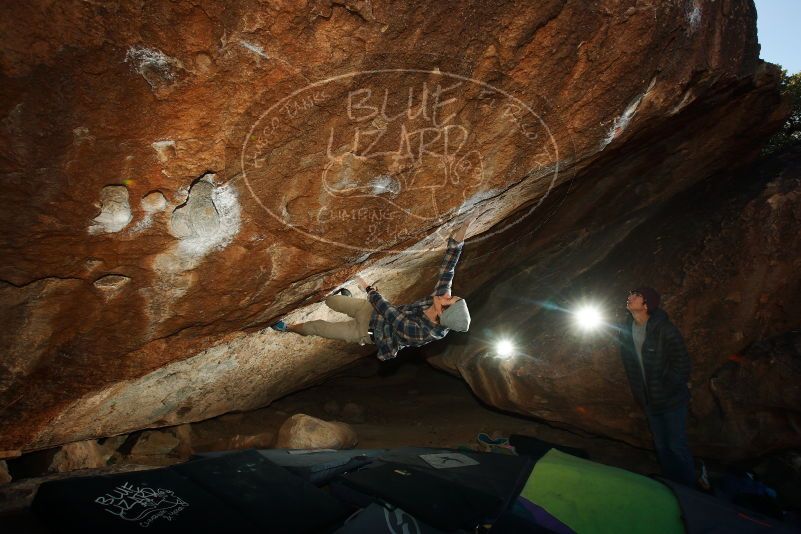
{"x":302,"y":431}
{"x":87,"y":454}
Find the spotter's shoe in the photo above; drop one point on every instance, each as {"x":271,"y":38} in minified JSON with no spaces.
{"x":280,"y":326}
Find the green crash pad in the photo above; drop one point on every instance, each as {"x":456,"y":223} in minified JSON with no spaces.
{"x":591,"y":497}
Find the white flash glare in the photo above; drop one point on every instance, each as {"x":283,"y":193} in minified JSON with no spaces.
{"x":504,"y":348}
{"x":588,"y":318}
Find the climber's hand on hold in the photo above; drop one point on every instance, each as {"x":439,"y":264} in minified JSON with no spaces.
{"x":360,"y":282}
{"x":461,"y":231}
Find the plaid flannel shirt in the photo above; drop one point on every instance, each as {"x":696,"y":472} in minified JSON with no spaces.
{"x":396,"y":327}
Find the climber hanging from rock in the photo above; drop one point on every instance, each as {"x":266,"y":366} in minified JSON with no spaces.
{"x":391,"y":328}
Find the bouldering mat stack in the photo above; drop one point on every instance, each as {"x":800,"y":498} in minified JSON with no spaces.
{"x":239,"y":492}
{"x":431,"y":490}
{"x":399,"y":490}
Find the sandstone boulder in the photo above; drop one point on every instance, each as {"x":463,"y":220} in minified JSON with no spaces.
{"x":80,"y":455}
{"x":89,"y":454}
{"x":155,"y":443}
{"x":210,"y":166}
{"x":305,"y":432}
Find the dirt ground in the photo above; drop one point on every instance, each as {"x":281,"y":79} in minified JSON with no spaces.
{"x":412,"y":404}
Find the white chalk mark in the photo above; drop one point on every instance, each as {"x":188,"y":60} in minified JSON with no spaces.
{"x":153,"y":65}
{"x":694,"y":16}
{"x":688,"y":96}
{"x":164,"y":149}
{"x":208,"y":237}
{"x":622,"y":122}
{"x":385,"y":184}
{"x":256,"y":49}
{"x":115,"y":210}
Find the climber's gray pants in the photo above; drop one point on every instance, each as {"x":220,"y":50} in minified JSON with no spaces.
{"x":353,"y":331}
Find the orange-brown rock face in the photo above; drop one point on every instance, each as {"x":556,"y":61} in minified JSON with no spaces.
{"x":176,"y":175}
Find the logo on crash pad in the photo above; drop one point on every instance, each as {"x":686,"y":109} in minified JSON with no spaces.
{"x":378,"y":159}
{"x":142,"y":504}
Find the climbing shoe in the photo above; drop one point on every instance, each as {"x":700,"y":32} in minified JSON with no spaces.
{"x":487,"y":440}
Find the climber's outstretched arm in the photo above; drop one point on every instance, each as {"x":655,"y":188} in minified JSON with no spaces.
{"x":460,"y":233}
{"x":448,"y":268}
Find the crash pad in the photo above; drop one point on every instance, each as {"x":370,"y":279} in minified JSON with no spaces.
{"x":591,"y":497}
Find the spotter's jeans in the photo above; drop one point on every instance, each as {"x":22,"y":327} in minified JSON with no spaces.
{"x":670,"y":440}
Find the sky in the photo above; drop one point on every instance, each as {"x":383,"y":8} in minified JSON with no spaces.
{"x":779,"y":30}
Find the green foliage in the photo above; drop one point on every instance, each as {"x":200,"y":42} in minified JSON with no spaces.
{"x":790,"y":134}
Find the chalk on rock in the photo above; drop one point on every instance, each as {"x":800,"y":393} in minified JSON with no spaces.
{"x":153,"y":65}
{"x":203,"y":216}
{"x":164,"y":149}
{"x":111,"y":284}
{"x":198,"y":217}
{"x":115,"y":210}
{"x":153,"y":202}
{"x":209,"y":219}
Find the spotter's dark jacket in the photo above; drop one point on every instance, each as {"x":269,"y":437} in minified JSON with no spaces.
{"x":666,"y":363}
{"x":395,"y":327}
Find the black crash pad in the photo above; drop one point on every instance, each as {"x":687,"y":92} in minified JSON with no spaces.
{"x":240,"y":492}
